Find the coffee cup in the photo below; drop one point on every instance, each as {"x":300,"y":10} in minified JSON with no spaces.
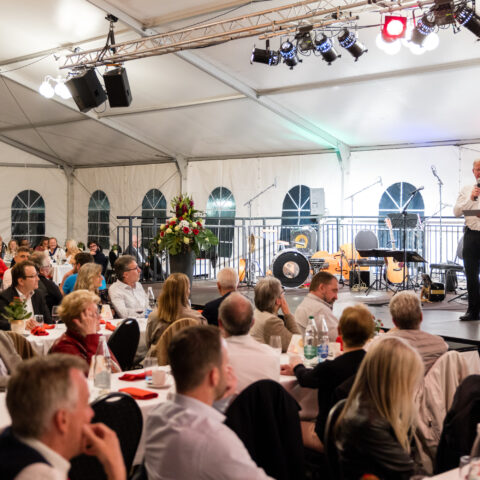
{"x":159,"y":378}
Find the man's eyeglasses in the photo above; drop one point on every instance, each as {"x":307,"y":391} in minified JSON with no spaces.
{"x":134,"y":268}
{"x":31,"y":276}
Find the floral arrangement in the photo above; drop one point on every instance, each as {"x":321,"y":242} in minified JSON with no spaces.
{"x":185,"y":231}
{"x":16,"y":310}
{"x":378,"y":325}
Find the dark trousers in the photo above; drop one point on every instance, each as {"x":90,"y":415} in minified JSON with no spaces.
{"x":471,"y":261}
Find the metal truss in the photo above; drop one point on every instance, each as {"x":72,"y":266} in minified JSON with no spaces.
{"x":264,"y":24}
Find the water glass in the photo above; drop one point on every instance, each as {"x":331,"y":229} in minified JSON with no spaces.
{"x":150,"y":364}
{"x":276,"y":343}
{"x":39,"y":320}
{"x":55,"y":315}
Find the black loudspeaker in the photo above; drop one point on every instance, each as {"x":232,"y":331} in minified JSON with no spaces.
{"x":86,"y":90}
{"x":364,"y":278}
{"x":118,"y":88}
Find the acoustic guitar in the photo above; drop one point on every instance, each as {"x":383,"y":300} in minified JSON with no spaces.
{"x":395,"y":269}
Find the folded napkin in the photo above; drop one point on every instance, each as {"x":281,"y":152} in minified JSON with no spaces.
{"x":130,"y":377}
{"x":102,"y":322}
{"x":46,"y":326}
{"x":39,"y":331}
{"x":138,"y":393}
{"x":110,"y":326}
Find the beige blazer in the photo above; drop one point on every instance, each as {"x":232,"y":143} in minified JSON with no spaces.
{"x":9,"y":357}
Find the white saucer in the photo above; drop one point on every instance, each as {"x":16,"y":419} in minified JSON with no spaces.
{"x":160,"y":387}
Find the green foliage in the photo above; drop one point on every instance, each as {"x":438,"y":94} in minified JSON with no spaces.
{"x":16,"y":310}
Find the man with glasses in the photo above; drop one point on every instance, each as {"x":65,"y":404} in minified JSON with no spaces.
{"x":22,"y":254}
{"x":127,"y":294}
{"x":24,"y":286}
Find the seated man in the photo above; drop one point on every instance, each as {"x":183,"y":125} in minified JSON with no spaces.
{"x":98,"y":256}
{"x":23,"y":253}
{"x":141,"y":256}
{"x":251,"y":360}
{"x":56,"y":254}
{"x":269,"y":299}
{"x":47,"y":287}
{"x":80,"y":259}
{"x":227,"y":282}
{"x":47,"y":399}
{"x":186,"y":436}
{"x":322,"y":294}
{"x":406,"y":310}
{"x":127,"y":294}
{"x":24,"y":285}
{"x":9,"y":359}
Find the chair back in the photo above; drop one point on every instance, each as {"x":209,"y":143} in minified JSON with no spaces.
{"x":460,"y":248}
{"x":121,"y":413}
{"x":22,"y":346}
{"x":161,"y":347}
{"x":331,"y":451}
{"x":365,"y":240}
{"x":124,"y":342}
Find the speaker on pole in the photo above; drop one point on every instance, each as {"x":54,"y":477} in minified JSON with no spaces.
{"x":118,"y":88}
{"x":86,"y":90}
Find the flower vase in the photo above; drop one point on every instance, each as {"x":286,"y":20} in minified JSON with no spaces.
{"x":18,"y":326}
{"x":183,"y":263}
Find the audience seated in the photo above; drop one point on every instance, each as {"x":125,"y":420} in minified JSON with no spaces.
{"x":71,"y":249}
{"x":9,"y":359}
{"x":127,"y":294}
{"x":406,"y":311}
{"x":55,"y":253}
{"x":47,"y":399}
{"x":98,"y":257}
{"x":10,"y":252}
{"x":24,"y":285}
{"x":251,"y":360}
{"x":356,"y":327}
{"x":227,"y":282}
{"x":186,"y":436}
{"x":42,"y":245}
{"x":25,"y":242}
{"x":374,"y":429}
{"x":21,"y":254}
{"x":269,"y":299}
{"x":140,"y":254}
{"x":48,"y":288}
{"x":68,"y":282}
{"x":79,"y":312}
{"x":113,"y":254}
{"x":3,"y":268}
{"x":172,"y":305}
{"x":322,"y":295}
{"x":3,"y":248}
{"x":90,"y":278}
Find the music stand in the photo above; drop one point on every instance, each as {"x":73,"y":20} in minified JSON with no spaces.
{"x":397,"y":220}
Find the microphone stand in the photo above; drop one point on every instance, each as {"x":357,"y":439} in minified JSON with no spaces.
{"x":440,"y":185}
{"x":404,"y":215}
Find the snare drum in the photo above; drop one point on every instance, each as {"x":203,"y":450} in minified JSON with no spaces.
{"x":291,"y":267}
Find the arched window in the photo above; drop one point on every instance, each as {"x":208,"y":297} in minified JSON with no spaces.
{"x":28,"y":216}
{"x":99,"y":219}
{"x":393,"y":201}
{"x":221,"y":218}
{"x":296,"y":206}
{"x":154,"y":205}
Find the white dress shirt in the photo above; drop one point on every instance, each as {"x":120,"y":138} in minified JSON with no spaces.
{"x":28,"y":302}
{"x":252,"y":360}
{"x":126,"y":300}
{"x":464,"y":202}
{"x":187,"y":439}
{"x":57,"y":470}
{"x":310,"y":307}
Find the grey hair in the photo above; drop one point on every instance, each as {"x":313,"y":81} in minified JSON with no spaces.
{"x":267,"y":291}
{"x":121,"y":265}
{"x":236,"y":314}
{"x":406,"y":310}
{"x":228,"y":278}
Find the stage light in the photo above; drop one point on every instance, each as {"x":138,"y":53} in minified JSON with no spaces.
{"x":304,"y":43}
{"x":424,"y":27}
{"x":468,"y":19}
{"x":349,"y":42}
{"x":288,"y":51}
{"x":61,"y":90}
{"x":326,"y":49}
{"x":267,"y":57}
{"x":394,"y":28}
{"x":431,"y":42}
{"x":390,"y":47}
{"x":46,"y":89}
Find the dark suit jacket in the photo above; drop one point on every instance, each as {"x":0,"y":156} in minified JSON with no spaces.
{"x":49,"y":289}
{"x":210,"y":311}
{"x":38,"y":303}
{"x":101,"y":260}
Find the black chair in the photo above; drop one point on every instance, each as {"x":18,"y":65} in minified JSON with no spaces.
{"x":265,"y":417}
{"x":367,"y":240}
{"x":124,"y":342}
{"x":121,"y":413}
{"x":450,"y":268}
{"x":331,"y":451}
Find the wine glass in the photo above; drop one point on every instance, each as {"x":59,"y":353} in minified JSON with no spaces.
{"x":39,"y":320}
{"x":55,"y":315}
{"x":276,"y":343}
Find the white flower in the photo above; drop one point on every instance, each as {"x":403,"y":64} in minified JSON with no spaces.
{"x":186,"y":240}
{"x":169,"y":230}
{"x":177,"y":228}
{"x":184,"y":223}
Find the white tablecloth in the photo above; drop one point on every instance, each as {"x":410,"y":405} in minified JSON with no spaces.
{"x":59,"y":271}
{"x":450,"y":475}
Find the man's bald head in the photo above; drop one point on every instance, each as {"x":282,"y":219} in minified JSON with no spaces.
{"x":236,"y":314}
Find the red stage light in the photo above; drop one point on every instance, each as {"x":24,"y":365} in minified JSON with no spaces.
{"x":394,"y":28}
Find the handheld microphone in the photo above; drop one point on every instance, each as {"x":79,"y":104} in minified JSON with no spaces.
{"x":478,"y":185}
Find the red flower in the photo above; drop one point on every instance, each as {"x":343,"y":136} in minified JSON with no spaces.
{"x":195,"y":231}
{"x":184,"y":209}
{"x":180,"y":219}
{"x":172,"y":224}
{"x":185,"y":230}
{"x":162,"y":233}
{"x":199,"y":224}
{"x":191,"y":203}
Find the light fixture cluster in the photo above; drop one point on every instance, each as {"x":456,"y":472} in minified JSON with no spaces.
{"x":305,"y":44}
{"x":54,"y":86}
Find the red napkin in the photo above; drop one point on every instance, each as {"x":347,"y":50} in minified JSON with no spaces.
{"x":110,"y":326}
{"x":138,"y":393}
{"x":130,"y":377}
{"x":340,"y":341}
{"x":102,"y":321}
{"x":46,"y":326}
{"x":39,"y":331}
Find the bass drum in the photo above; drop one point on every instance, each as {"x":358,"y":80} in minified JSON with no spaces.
{"x":291,"y":267}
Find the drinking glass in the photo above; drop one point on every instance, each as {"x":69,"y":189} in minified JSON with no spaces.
{"x":150,"y":364}
{"x":39,"y":320}
{"x":276,"y":343}
{"x":55,"y":315}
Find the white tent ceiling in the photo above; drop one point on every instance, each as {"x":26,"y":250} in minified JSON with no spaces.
{"x":212,"y":103}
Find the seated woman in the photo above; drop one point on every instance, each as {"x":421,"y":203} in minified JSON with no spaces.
{"x":71,"y":249}
{"x":374,"y":430}
{"x":172,"y":305}
{"x":79,"y":312}
{"x":90,"y":278}
{"x":269,"y":299}
{"x":10,"y":252}
{"x":356,"y":327}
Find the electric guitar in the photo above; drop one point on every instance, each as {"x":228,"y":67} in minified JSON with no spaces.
{"x":395,"y":270}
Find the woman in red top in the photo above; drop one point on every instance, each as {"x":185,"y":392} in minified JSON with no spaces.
{"x":3,"y":268}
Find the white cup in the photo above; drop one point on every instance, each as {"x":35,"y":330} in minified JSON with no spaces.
{"x":159,"y":378}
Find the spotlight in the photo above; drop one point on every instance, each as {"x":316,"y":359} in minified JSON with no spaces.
{"x":394,"y":28}
{"x":391,"y":47}
{"x":267,"y":56}
{"x":288,"y":51}
{"x":468,"y":19}
{"x":326,"y":49}
{"x":424,"y":27}
{"x":46,"y":89}
{"x":61,"y":90}
{"x":349,"y":42}
{"x":304,"y":43}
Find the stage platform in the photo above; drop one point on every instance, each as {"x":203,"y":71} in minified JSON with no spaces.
{"x":441,"y":318}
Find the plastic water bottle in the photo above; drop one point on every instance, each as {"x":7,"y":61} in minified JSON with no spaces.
{"x":102,"y":366}
{"x":323,"y":339}
{"x":310,"y":343}
{"x":151,"y":302}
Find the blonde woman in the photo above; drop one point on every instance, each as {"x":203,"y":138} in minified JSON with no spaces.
{"x":10,"y":252}
{"x":374,"y":429}
{"x":90,"y":278}
{"x":71,"y":249}
{"x":172,"y":305}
